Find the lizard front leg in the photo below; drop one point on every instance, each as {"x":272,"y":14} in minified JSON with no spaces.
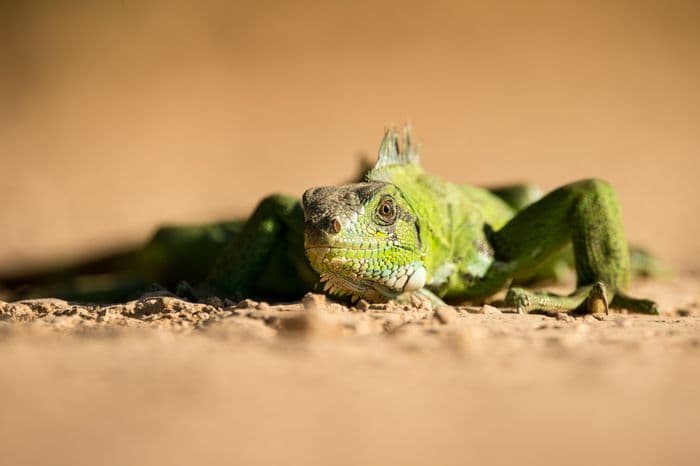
{"x":587,"y":215}
{"x":519,"y":196}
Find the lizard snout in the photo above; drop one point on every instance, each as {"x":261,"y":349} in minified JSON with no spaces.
{"x":319,"y":231}
{"x":320,"y":219}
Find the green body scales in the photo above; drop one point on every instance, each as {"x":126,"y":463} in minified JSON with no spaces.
{"x":400,"y":231}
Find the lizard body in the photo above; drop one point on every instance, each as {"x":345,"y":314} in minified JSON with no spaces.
{"x":402,"y":231}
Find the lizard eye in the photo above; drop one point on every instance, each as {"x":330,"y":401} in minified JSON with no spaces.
{"x":387,"y":211}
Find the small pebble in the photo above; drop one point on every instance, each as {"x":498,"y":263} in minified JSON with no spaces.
{"x":309,"y":324}
{"x":246,"y":304}
{"x":214,"y":301}
{"x":313,"y":301}
{"x":362,"y":305}
{"x":445,"y":314}
{"x":488,"y":309}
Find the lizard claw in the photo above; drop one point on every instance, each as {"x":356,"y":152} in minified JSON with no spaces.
{"x":598,"y":299}
{"x":518,"y":299}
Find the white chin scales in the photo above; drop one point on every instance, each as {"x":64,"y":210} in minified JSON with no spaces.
{"x":416,"y":281}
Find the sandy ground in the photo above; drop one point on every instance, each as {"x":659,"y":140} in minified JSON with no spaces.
{"x":164,"y":381}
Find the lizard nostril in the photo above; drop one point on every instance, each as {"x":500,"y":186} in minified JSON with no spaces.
{"x":335,"y":225}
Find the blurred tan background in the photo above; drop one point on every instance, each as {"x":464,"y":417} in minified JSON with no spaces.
{"x":116,"y":116}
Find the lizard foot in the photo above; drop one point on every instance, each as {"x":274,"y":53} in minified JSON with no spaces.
{"x":589,"y":299}
{"x":519,"y":299}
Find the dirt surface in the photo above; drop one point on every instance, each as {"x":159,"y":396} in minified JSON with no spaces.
{"x":165,"y":381}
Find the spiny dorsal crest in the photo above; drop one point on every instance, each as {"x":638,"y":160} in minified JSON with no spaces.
{"x":395,"y":151}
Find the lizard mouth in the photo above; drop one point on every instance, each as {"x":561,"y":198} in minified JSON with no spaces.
{"x":343,"y":283}
{"x":364,"y":269}
{"x":338,"y":285}
{"x":344,"y":276}
{"x":372,"y":290}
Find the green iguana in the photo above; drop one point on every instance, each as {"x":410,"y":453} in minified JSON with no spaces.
{"x":399,"y":231}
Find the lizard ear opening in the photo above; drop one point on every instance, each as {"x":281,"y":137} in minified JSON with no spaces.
{"x":395,"y":150}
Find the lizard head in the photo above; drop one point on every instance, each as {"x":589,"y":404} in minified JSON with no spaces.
{"x":364,"y":239}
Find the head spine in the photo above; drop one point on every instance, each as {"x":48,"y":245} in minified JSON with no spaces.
{"x":395,"y":150}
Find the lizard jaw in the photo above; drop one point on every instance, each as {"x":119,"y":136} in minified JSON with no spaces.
{"x":374,"y":290}
{"x":339,"y":286}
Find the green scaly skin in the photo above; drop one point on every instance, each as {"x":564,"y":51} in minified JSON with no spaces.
{"x":403,"y":231}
